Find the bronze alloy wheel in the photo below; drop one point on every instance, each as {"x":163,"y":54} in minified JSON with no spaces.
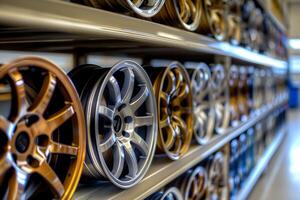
{"x":181,"y":13}
{"x":43,"y":133}
{"x":203,"y":109}
{"x":234,"y":21}
{"x":233,"y":94}
{"x":216,"y":177}
{"x":193,"y":186}
{"x":174,"y":105}
{"x":213,"y":21}
{"x":220,"y":100}
{"x":142,"y":8}
{"x":120,"y":110}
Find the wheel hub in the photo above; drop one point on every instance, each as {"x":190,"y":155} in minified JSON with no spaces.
{"x":117,"y":123}
{"x":22,"y":142}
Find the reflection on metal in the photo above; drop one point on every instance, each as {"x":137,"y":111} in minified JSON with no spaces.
{"x":38,"y":137}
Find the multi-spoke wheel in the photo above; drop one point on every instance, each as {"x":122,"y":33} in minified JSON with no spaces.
{"x":193,"y":186}
{"x":42,"y":132}
{"x":183,"y":14}
{"x":233,"y":95}
{"x":121,"y":117}
{"x":234,"y":21}
{"x":258,"y":89}
{"x":213,"y":21}
{"x":203,"y":109}
{"x":250,"y":89}
{"x":216,"y":177}
{"x":174,"y":103}
{"x":140,"y":7}
{"x":170,"y":194}
{"x":243,"y":94}
{"x":220,"y":95}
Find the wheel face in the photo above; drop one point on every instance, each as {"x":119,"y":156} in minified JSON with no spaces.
{"x":194,"y":184}
{"x":243,"y":94}
{"x":234,"y":21}
{"x":233,"y":93}
{"x":216,"y":177}
{"x":174,"y":103}
{"x":122,"y":123}
{"x":44,"y":128}
{"x":203,"y":109}
{"x":215,"y":13}
{"x":220,"y":98}
{"x":172,"y":194}
{"x":258,"y":91}
{"x":140,"y":7}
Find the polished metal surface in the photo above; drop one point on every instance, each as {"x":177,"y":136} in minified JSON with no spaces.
{"x":174,"y":99}
{"x":58,"y":17}
{"x":162,"y":171}
{"x":220,"y":95}
{"x":234,"y":21}
{"x":121,"y":120}
{"x":142,"y":8}
{"x":233,"y":95}
{"x":42,"y":145}
{"x":183,"y":14}
{"x":204,"y":115}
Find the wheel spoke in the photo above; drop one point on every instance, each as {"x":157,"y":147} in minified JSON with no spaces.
{"x":165,"y":122}
{"x":107,"y":144}
{"x":107,"y":112}
{"x":58,"y":148}
{"x":16,"y":186}
{"x":59,"y":118}
{"x":128,"y":87}
{"x":131,"y":160}
{"x":171,"y":135}
{"x":118,"y":160}
{"x":165,"y":97}
{"x":171,"y":79}
{"x":140,"y":98}
{"x":114,"y":89}
{"x":42,"y":100}
{"x":137,"y":3}
{"x":47,"y":173}
{"x":19,"y":95}
{"x":5,"y":125}
{"x":143,"y":121}
{"x":4,"y":166}
{"x":140,"y":143}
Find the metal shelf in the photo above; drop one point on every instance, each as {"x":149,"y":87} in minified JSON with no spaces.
{"x":52,"y":25}
{"x":162,"y":170}
{"x":261,"y":166}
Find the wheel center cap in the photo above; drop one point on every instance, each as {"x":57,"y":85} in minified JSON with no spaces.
{"x":22,"y":142}
{"x":117,"y":123}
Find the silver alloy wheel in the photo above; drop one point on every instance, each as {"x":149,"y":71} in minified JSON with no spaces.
{"x":220,"y":98}
{"x":122,"y":123}
{"x":172,"y":194}
{"x":203,"y":109}
{"x":216,"y":177}
{"x":194,"y":184}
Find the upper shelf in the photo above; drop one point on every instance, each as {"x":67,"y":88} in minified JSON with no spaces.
{"x":71,"y":26}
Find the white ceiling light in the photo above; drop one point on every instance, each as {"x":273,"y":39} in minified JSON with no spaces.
{"x":294,"y":43}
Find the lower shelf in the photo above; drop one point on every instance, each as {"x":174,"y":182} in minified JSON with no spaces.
{"x":261,"y":165}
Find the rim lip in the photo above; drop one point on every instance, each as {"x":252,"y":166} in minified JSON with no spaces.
{"x":221,"y":36}
{"x":147,"y":13}
{"x":196,"y":23}
{"x":217,"y":91}
{"x":173,"y":190}
{"x":189,"y":133}
{"x":191,"y":176}
{"x":51,"y":67}
{"x":102,"y":166}
{"x":211,"y":113}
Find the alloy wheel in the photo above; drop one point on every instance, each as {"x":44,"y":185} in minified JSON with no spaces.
{"x":43,"y":128}
{"x":122,"y":121}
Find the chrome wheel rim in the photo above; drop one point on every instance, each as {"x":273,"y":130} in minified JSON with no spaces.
{"x":220,"y":98}
{"x":174,"y":103}
{"x":122,"y":123}
{"x":203,"y":109}
{"x":34,"y":146}
{"x":194,"y":184}
{"x":216,"y":177}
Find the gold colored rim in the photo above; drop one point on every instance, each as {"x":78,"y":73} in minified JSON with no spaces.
{"x":44,"y":129}
{"x":174,"y":102}
{"x":233,"y":93}
{"x":243,"y":94}
{"x":234,"y":21}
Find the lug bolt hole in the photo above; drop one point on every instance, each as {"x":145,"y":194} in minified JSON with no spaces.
{"x":42,"y":141}
{"x":117,"y":123}
{"x":32,"y":162}
{"x":125,"y":134}
{"x":121,"y":107}
{"x":128,"y":119}
{"x":22,"y":142}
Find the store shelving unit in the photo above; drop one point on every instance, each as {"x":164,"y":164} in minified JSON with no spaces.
{"x":61,"y":26}
{"x":162,"y":171}
{"x":52,"y":25}
{"x":261,"y":165}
